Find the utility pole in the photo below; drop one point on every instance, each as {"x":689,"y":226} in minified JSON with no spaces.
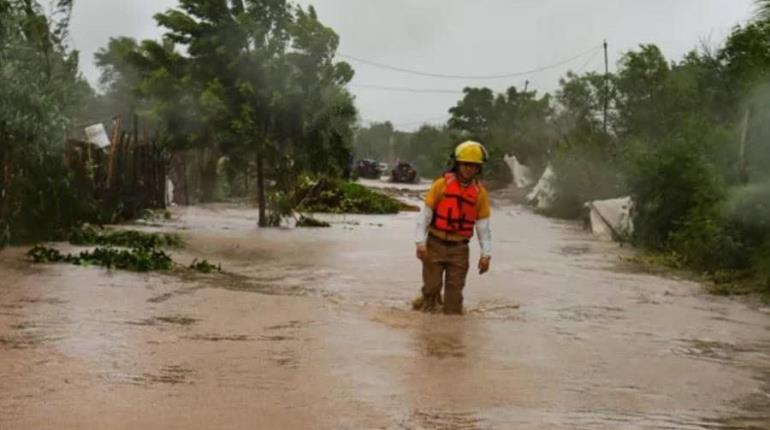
{"x":526,"y":85}
{"x":606,"y":85}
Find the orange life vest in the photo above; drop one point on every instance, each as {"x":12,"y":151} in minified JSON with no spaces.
{"x":456,"y":211}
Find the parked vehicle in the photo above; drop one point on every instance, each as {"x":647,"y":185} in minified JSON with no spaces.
{"x":404,"y":172}
{"x":367,"y":168}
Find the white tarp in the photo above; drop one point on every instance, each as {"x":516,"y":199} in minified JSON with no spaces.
{"x":97,"y":135}
{"x":169,"y":192}
{"x":542,"y":195}
{"x":522,"y":176}
{"x":611,"y":219}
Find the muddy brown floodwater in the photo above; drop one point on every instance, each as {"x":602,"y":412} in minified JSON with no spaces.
{"x":312,"y":329}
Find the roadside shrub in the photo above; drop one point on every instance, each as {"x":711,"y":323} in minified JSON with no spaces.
{"x":674,"y":186}
{"x":582,"y":173}
{"x":748,"y":212}
{"x":762,"y":265}
{"x":706,"y":243}
{"x":48,"y":204}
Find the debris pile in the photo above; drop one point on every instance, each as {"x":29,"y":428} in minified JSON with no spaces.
{"x":326,"y":195}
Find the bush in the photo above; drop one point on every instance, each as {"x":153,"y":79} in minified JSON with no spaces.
{"x":582,"y":173}
{"x":671,"y":182}
{"x":706,"y":243}
{"x":47,"y":204}
{"x":762,"y":265}
{"x":748,"y":212}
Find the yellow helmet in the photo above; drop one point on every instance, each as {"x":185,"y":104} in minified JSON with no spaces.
{"x":471,"y":152}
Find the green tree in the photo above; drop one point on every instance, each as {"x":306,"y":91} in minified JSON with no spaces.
{"x":375,"y":141}
{"x":430,"y":148}
{"x":267,"y":85}
{"x":473,"y":115}
{"x":43,"y":97}
{"x":516,"y":122}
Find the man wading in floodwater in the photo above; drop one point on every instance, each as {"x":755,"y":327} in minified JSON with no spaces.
{"x":455,"y":204}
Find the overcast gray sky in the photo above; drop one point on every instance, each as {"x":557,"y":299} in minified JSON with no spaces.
{"x":458,"y":37}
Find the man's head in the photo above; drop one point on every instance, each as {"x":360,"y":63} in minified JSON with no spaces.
{"x":469,"y":157}
{"x":467,"y":171}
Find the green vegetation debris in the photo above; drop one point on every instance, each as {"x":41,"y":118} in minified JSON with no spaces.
{"x":134,"y":259}
{"x":89,"y":235}
{"x":42,"y":254}
{"x":204,"y":266}
{"x":327,"y":195}
{"x":306,"y":221}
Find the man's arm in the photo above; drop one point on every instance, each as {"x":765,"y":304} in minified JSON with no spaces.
{"x":423,"y":222}
{"x":425,"y":217}
{"x":484,"y":232}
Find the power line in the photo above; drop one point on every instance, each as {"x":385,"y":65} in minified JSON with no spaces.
{"x":406,"y":89}
{"x":443,"y":76}
{"x":580,"y":69}
{"x":443,"y":118}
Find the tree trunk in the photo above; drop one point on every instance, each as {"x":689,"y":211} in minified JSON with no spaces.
{"x":208,"y":173}
{"x":261,"y":190}
{"x":743,"y":164}
{"x":5,"y":191}
{"x":185,"y":180}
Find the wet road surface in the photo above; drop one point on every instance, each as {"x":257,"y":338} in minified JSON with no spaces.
{"x":312,"y":329}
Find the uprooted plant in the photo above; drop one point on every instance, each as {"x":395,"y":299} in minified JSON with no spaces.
{"x":328,"y":195}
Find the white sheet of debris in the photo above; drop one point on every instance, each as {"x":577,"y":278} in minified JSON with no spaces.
{"x":542,"y":195}
{"x":97,"y":135}
{"x":522,"y":176}
{"x":611,"y":219}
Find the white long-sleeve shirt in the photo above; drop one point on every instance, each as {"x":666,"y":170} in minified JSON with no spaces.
{"x":483,"y":231}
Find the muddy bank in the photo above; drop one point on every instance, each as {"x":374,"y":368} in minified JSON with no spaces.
{"x":311,"y":329}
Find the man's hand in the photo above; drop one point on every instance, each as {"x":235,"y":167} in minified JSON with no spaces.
{"x":422,"y":252}
{"x":484,"y":264}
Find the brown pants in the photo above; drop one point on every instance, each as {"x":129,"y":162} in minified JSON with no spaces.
{"x":445,"y":266}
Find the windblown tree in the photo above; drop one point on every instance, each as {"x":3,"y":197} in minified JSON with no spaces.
{"x":267,"y":85}
{"x":257,"y":83}
{"x":42,"y":97}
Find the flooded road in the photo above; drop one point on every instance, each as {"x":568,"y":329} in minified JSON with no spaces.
{"x":312,"y":329}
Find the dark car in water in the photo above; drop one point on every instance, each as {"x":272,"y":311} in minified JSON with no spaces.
{"x":404,"y":172}
{"x":367,"y":168}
